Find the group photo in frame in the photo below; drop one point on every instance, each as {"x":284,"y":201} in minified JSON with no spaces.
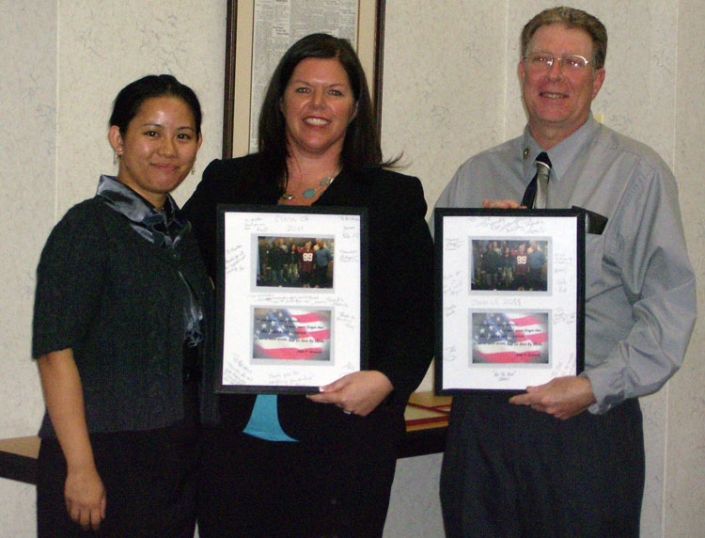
{"x":291,"y":303}
{"x":295,"y":262}
{"x":510,"y":297}
{"x":258,"y":34}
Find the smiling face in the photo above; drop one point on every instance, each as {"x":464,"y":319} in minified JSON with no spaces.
{"x":158,"y":149}
{"x":318,"y":105}
{"x":558,"y":99}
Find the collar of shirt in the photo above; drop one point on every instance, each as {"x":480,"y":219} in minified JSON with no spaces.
{"x":562,"y":155}
{"x":162,"y":229}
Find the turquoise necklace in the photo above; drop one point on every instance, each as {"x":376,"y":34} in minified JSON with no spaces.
{"x":310,"y":193}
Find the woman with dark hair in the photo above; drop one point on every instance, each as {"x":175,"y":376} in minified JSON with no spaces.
{"x":322,"y":465}
{"x":118,"y":335}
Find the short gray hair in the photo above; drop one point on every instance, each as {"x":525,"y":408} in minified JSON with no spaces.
{"x":571,"y":18}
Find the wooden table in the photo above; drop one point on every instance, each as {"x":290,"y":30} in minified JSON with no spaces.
{"x":18,"y":459}
{"x":426,"y":424}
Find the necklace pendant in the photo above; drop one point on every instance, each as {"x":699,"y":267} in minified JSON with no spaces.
{"x":310,"y":193}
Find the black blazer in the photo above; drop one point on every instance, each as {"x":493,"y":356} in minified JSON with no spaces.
{"x":400,"y":277}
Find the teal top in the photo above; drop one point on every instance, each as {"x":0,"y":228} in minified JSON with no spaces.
{"x":264,"y":421}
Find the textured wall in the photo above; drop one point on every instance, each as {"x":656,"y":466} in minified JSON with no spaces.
{"x":450,"y":90}
{"x":62,"y":63}
{"x":28,"y":155}
{"x":684,"y":477}
{"x":103,"y":45}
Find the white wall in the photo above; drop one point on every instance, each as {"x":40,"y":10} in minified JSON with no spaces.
{"x":450,"y":90}
{"x":28,"y":72}
{"x":61,"y":65}
{"x":684,"y":474}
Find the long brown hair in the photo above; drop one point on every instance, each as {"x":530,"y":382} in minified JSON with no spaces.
{"x":361,"y":147}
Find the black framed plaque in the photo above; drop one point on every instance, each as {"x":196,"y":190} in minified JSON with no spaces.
{"x":510,"y":297}
{"x":291,"y":301}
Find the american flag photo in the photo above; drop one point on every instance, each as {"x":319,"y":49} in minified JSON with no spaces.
{"x":510,"y":337}
{"x":292,"y":334}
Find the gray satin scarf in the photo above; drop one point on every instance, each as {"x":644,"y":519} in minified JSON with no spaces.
{"x":164,"y":230}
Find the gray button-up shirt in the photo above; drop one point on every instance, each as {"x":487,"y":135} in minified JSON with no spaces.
{"x":640,"y":287}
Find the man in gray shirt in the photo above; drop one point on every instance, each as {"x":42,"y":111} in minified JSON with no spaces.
{"x":566,"y":459}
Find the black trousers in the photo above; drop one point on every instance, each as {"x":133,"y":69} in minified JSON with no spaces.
{"x":149,"y":476}
{"x":511,"y":472}
{"x":337,"y":486}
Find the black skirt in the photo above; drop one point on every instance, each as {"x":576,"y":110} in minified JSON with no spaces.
{"x":149,"y":476}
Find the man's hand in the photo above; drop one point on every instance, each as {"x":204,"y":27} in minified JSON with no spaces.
{"x":359,"y":393}
{"x":562,"y":397}
{"x":500,"y":204}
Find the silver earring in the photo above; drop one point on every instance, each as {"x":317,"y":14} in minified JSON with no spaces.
{"x":115,"y":158}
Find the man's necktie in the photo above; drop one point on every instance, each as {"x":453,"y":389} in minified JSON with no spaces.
{"x":536,"y":193}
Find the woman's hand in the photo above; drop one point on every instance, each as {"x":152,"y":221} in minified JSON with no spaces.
{"x":359,"y":393}
{"x":84,"y":494}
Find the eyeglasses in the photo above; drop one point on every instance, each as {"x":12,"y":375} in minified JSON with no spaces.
{"x":541,"y":61}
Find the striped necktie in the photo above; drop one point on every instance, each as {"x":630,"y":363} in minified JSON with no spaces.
{"x":536,"y":194}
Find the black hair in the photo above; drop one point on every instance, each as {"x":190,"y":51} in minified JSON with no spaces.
{"x":129,"y":101}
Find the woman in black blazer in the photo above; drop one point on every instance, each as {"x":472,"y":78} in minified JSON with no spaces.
{"x":322,"y":465}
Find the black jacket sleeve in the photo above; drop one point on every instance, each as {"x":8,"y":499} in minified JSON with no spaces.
{"x":401,"y":285}
{"x":200,"y":210}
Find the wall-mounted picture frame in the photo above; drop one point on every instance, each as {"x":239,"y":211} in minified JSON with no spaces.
{"x":258,"y":34}
{"x":292,"y":297}
{"x":510,"y":297}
